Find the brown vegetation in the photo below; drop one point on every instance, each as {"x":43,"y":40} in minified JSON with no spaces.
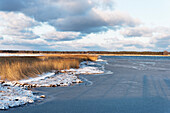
{"x":79,"y":56}
{"x":16,"y":68}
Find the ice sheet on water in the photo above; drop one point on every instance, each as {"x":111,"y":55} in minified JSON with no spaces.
{"x":101,"y":60}
{"x":137,"y":65}
{"x":108,"y":72}
{"x":148,"y":63}
{"x":88,"y":67}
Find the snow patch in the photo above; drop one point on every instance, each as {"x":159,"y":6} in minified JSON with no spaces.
{"x":64,"y":77}
{"x":12,"y":96}
{"x":52,"y":80}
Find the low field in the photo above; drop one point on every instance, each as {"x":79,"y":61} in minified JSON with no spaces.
{"x":22,"y":67}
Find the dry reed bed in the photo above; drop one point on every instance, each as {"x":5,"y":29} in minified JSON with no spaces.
{"x":16,"y":68}
{"x":92,"y":57}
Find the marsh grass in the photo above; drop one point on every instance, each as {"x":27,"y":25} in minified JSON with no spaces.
{"x":16,"y":68}
{"x":79,"y":56}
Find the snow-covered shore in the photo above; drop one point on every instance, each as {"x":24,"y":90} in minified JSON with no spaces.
{"x":15,"y":93}
{"x":11,"y":96}
{"x":64,"y":77}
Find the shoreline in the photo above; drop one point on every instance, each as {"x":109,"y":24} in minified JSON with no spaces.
{"x":66,"y":77}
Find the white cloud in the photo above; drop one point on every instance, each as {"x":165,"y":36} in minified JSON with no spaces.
{"x":16,"y":25}
{"x":59,"y":36}
{"x":138,"y":32}
{"x":116,"y":18}
{"x":48,"y":32}
{"x":76,"y":25}
{"x":114,"y":40}
{"x":23,"y":30}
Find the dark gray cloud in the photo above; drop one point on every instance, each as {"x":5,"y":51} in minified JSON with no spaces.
{"x":44,"y":10}
{"x":163,"y":42}
{"x":12,"y":5}
{"x":70,"y":15}
{"x":1,"y":38}
{"x":96,"y":20}
{"x":80,"y":23}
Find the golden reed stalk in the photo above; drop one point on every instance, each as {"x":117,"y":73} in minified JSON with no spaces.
{"x":13,"y":68}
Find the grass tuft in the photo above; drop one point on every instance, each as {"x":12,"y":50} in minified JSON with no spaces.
{"x":16,"y":68}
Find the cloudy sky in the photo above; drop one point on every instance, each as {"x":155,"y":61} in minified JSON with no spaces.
{"x":113,"y":25}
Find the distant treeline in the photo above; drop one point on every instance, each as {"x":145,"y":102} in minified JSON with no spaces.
{"x":89,"y":52}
